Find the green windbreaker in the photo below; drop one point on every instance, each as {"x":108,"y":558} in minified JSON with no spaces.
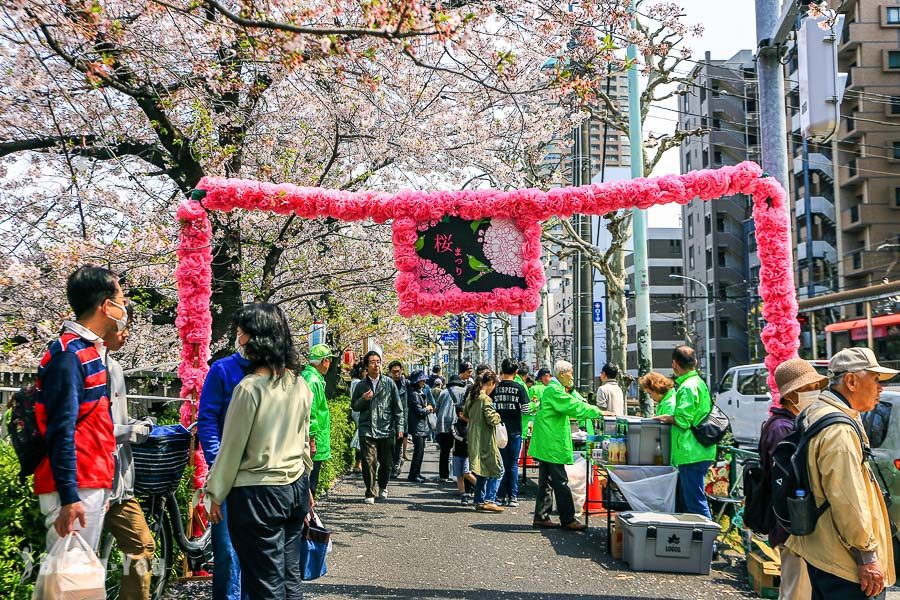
{"x":692,"y":404}
{"x":320,"y":418}
{"x":551,"y":440}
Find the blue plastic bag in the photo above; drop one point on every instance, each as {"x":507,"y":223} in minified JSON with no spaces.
{"x":314,"y":548}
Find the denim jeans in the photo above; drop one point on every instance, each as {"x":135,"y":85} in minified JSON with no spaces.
{"x":691,"y":491}
{"x":509,"y":483}
{"x":226,"y":568}
{"x":486,"y":488}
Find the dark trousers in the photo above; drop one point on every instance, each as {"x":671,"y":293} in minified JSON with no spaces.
{"x":691,"y":493}
{"x":445,"y":440}
{"x":509,"y":485}
{"x":826,"y":586}
{"x":378,"y":458}
{"x":397,"y":457}
{"x":314,"y":476}
{"x":265,"y":523}
{"x":415,"y":468}
{"x":554,"y":481}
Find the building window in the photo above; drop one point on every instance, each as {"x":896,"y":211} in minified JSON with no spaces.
{"x":690,"y":225}
{"x":897,"y":197}
{"x":717,"y":123}
{"x":723,"y":328}
{"x":691,"y":259}
{"x":709,"y":258}
{"x":723,"y":291}
{"x":892,"y":15}
{"x":717,"y":157}
{"x":893,"y":59}
{"x":895,"y":105}
{"x":715,"y":90}
{"x":721,"y":258}
{"x":706,"y":152}
{"x":895,"y":150}
{"x":707,"y":224}
{"x":720,"y":223}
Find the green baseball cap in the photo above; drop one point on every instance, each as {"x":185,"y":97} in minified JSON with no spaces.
{"x":320,"y":352}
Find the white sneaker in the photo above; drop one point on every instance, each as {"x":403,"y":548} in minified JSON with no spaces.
{"x":383,"y":495}
{"x":369,"y":501}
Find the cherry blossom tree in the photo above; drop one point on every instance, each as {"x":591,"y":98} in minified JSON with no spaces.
{"x":111,"y":111}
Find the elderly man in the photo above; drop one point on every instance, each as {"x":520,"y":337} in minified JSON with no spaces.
{"x":693,"y":459}
{"x":320,"y":418}
{"x":850,"y":553}
{"x":551,"y":443}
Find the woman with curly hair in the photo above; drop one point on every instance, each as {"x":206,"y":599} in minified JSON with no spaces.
{"x":661,"y":389}
{"x":264,"y":461}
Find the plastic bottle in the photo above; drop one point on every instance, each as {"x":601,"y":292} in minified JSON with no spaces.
{"x":658,"y":455}
{"x":801,"y":494}
{"x":606,"y":454}
{"x":623,"y":455}
{"x":614,"y":451}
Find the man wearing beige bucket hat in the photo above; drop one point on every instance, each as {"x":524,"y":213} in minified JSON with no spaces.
{"x":799,"y":385}
{"x":850,"y":552}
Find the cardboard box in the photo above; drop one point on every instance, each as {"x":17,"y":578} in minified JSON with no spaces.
{"x":618,"y":538}
{"x":764,"y":575}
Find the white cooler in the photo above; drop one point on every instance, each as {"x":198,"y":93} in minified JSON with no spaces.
{"x":671,"y":543}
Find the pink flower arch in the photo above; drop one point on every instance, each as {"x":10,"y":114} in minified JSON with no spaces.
{"x":411,"y":210}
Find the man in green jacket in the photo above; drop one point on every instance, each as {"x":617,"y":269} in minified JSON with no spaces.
{"x":535,"y":393}
{"x":693,"y":459}
{"x":551,"y":443}
{"x":320,"y":419}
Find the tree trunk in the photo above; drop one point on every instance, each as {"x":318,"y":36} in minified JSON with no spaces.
{"x":541,"y":341}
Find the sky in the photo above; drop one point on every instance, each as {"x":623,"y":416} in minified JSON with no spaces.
{"x":729,"y":27}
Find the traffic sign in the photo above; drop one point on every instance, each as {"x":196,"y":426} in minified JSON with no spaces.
{"x":469,"y":326}
{"x":598,"y":312}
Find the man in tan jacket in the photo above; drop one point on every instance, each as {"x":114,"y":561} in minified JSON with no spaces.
{"x":849,"y":554}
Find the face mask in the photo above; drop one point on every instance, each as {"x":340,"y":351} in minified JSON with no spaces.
{"x":804,"y":399}
{"x":238,"y":348}
{"x":121,"y":324}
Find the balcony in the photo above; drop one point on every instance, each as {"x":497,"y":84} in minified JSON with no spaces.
{"x":849,"y":38}
{"x":859,"y":216}
{"x":795,"y":122}
{"x":820,"y":205}
{"x":817,"y":162}
{"x":862,"y":262}
{"x":850,"y":173}
{"x":848,"y":129}
{"x":821,"y":249}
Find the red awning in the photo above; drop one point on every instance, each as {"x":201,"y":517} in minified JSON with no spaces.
{"x":884,"y":321}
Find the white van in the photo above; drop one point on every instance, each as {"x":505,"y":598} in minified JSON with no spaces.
{"x":743,"y":395}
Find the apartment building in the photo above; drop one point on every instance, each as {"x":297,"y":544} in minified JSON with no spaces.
{"x":718,"y":243}
{"x":852,"y":238}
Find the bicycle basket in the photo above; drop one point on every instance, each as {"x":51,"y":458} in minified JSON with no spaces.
{"x":160,"y":461}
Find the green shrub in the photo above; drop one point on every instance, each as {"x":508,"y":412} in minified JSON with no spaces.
{"x":342,"y":430}
{"x":21,"y":528}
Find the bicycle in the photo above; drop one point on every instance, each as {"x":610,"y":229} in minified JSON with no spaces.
{"x":159,"y":466}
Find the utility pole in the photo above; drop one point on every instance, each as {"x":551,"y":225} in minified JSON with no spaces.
{"x":586,"y":273}
{"x":541,"y":332}
{"x":639,"y":223}
{"x":770,"y":74}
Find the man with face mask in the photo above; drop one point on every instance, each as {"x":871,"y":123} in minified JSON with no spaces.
{"x":223,"y":377}
{"x":799,"y":385}
{"x":72,"y":411}
{"x":850,"y":554}
{"x":551,"y":443}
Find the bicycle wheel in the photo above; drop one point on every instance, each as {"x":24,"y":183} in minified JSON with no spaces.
{"x":113,"y":560}
{"x":163,"y":558}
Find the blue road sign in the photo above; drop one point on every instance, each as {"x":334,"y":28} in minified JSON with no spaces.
{"x":452,"y":334}
{"x":598,"y":312}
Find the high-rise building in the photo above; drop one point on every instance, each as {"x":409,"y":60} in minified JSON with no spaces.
{"x":667,"y":304}
{"x":718,"y":243}
{"x":851,"y":237}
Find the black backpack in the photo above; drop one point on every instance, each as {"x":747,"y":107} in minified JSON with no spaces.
{"x":24,"y":434}
{"x":758,"y":514}
{"x":798,"y":516}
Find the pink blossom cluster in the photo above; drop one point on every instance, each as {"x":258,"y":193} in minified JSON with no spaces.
{"x":502,"y":247}
{"x":194,"y":320}
{"x":527,"y":208}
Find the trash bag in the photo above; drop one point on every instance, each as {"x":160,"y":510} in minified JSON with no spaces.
{"x":70,"y":571}
{"x":647,"y":489}
{"x":577,"y":473}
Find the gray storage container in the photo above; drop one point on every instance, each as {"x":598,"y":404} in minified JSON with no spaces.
{"x":642,"y":436}
{"x":670,"y":543}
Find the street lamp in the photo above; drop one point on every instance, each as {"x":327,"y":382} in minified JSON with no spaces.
{"x":706,"y":307}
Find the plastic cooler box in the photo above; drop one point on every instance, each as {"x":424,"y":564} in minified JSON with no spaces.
{"x":642,"y":436}
{"x":671,"y":543}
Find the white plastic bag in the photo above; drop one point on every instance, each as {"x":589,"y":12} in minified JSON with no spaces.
{"x":70,"y":571}
{"x":647,"y":489}
{"x":577,"y":473}
{"x":502,"y":436}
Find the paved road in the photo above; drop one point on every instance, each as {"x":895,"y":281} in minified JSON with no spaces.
{"x":421,"y":544}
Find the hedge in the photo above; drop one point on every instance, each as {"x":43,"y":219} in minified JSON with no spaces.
{"x":342,"y":430}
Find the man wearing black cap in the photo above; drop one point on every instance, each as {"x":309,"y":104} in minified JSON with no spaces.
{"x":449,"y":405}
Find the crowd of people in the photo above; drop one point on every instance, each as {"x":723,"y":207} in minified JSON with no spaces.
{"x":264,"y":428}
